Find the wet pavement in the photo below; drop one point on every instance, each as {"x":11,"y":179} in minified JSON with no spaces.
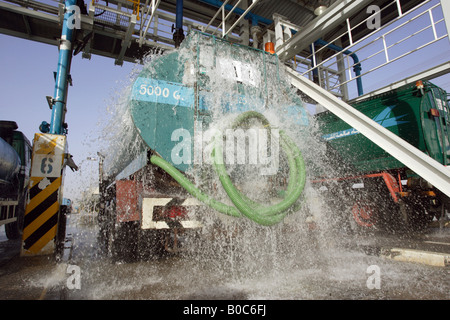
{"x":293,"y":268}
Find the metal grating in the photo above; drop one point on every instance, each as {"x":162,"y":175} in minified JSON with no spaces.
{"x":111,"y":19}
{"x":292,"y":11}
{"x":299,"y":12}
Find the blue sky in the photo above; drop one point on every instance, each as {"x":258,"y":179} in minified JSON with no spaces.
{"x":26,"y":78}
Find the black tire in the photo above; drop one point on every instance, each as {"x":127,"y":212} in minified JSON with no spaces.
{"x":364,"y":216}
{"x":60,"y":239}
{"x":124,"y":242}
{"x":14,"y":229}
{"x":106,"y":221}
{"x":414,"y":215}
{"x":151,"y":244}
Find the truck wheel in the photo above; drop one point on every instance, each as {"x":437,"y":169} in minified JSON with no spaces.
{"x":14,"y":229}
{"x":414,"y":215}
{"x":151,"y":244}
{"x":106,"y":221}
{"x":124,"y":246}
{"x":60,"y":238}
{"x":106,"y":229}
{"x":363,"y":216}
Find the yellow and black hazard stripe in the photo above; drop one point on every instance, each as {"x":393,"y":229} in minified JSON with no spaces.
{"x":41,"y":214}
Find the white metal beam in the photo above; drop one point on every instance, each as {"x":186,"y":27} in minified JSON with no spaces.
{"x":215,"y":16}
{"x":254,"y":2}
{"x":29,"y":12}
{"x":332,"y":17}
{"x":153,"y":7}
{"x":429,"y":74}
{"x":428,"y":168}
{"x":446,"y":11}
{"x":126,"y":41}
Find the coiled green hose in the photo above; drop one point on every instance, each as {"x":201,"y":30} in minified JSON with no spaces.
{"x":264,"y":215}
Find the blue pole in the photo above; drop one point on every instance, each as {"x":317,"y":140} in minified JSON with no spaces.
{"x":357,"y":65}
{"x":178,"y":35}
{"x":65,"y":56}
{"x":179,"y":14}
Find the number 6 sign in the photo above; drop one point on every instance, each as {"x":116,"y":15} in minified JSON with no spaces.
{"x":48,"y":156}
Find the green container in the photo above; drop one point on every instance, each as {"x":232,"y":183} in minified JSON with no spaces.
{"x":178,"y":95}
{"x":418,"y":115}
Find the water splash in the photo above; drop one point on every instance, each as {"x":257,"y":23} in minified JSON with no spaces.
{"x":238,"y":253}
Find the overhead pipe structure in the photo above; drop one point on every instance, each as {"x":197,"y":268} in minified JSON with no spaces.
{"x":65,"y":56}
{"x":249,"y":16}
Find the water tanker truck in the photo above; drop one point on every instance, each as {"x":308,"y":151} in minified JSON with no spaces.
{"x":15,"y":162}
{"x":373,"y":188}
{"x":201,"y":117}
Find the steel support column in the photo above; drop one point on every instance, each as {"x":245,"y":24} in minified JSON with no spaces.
{"x":446,"y":11}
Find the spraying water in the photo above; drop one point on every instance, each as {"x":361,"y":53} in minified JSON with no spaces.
{"x":239,"y":258}
{"x":200,"y":91}
{"x":301,"y":257}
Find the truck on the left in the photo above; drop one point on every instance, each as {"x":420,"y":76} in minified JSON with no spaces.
{"x":15,"y":163}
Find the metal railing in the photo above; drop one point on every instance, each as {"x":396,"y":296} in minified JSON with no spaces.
{"x":148,"y":10}
{"x":222,"y":25}
{"x":388,"y":51}
{"x":394,"y":41}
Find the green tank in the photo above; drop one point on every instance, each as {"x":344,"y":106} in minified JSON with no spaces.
{"x":178,"y":95}
{"x":418,"y":113}
{"x":220,"y":104}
